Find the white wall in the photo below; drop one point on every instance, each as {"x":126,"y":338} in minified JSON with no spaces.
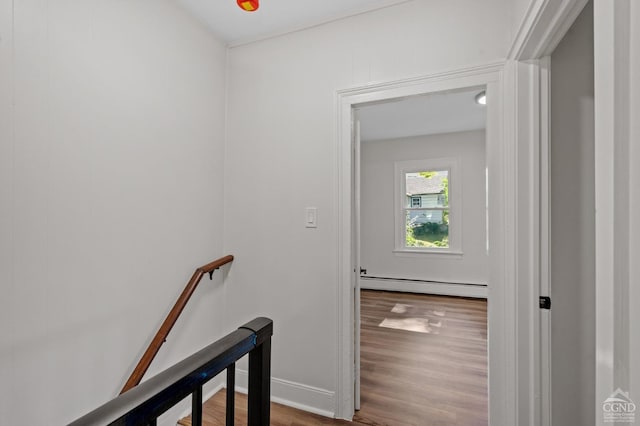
{"x":617,"y":128}
{"x":110,"y":196}
{"x":573,"y":225}
{"x":379,"y":206}
{"x":634,"y":205}
{"x":281,"y":149}
{"x":519,"y":9}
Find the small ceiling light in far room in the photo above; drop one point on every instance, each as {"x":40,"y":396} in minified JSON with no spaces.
{"x":481,"y":98}
{"x":249,"y":5}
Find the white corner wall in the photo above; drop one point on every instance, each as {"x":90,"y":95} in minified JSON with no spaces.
{"x":617,"y":93}
{"x":378,"y":210}
{"x":633,"y":283}
{"x":519,"y":12}
{"x":281,"y":156}
{"x":111,"y":166}
{"x":573,"y":225}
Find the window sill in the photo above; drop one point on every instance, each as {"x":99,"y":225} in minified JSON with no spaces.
{"x":428,"y":252}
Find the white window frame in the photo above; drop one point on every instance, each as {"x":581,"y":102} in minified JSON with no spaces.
{"x":455,"y":205}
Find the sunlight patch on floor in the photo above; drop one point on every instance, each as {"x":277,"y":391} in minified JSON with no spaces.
{"x":416,"y":320}
{"x":418,"y":325}
{"x":400,"y":308}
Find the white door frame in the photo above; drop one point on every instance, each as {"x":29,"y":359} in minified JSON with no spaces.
{"x":617,"y":131}
{"x":356,"y":240}
{"x":502,"y":310}
{"x":543,"y":27}
{"x":517,"y":147}
{"x":616,"y":35}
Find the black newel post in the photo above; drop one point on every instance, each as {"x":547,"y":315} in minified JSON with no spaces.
{"x":260,"y":384}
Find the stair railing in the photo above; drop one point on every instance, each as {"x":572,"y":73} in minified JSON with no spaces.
{"x":169,"y":322}
{"x":142,"y":405}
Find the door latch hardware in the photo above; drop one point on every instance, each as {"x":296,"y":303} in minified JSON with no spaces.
{"x":545,"y":302}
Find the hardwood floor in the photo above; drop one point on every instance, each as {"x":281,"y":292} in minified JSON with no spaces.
{"x":433,"y":375}
{"x":213,"y":414}
{"x":424,"y":363}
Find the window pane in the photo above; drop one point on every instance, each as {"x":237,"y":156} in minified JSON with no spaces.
{"x":429,"y":188}
{"x":427,"y":228}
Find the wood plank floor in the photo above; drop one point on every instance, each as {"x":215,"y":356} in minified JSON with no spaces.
{"x":431,"y":369}
{"x":213,"y":414}
{"x":424,"y":363}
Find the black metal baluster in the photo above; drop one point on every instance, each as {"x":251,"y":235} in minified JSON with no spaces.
{"x":153,"y":422}
{"x":196,"y":407}
{"x":260,"y":384}
{"x":231,"y":388}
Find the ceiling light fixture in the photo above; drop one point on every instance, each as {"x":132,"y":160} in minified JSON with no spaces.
{"x":481,"y":98}
{"x":249,"y":5}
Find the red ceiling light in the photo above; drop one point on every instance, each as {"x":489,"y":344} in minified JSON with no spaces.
{"x":249,"y":5}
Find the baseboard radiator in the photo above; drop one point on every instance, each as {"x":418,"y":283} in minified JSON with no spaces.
{"x":476,"y":290}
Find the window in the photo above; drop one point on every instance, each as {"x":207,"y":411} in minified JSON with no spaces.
{"x":427,"y":212}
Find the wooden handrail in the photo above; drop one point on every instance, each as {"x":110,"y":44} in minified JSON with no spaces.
{"x":172,"y":317}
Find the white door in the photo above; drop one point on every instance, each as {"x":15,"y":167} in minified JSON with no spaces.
{"x":356,"y":250}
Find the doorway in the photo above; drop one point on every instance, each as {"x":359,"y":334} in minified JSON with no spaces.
{"x":420,"y":215}
{"x":501,"y":315}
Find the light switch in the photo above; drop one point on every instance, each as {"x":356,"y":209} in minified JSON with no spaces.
{"x":311,"y":218}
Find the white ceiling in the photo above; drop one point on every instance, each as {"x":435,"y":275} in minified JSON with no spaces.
{"x":445,"y":112}
{"x":274,"y":17}
{"x":415,"y":116}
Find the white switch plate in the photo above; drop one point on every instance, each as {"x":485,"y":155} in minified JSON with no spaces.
{"x":311,"y":217}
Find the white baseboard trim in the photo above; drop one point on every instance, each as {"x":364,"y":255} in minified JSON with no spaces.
{"x":425,"y":287}
{"x":296,"y":395}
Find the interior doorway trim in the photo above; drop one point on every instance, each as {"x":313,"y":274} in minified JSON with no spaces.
{"x":501,"y":163}
{"x":542,"y":28}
